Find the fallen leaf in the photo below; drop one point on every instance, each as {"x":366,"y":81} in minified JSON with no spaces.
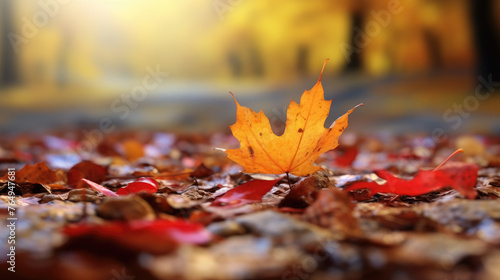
{"x":301,"y":194}
{"x":438,"y":249}
{"x":125,"y":209}
{"x":201,"y":171}
{"x":458,"y":175}
{"x":178,"y":175}
{"x":143,"y":184}
{"x":180,"y":230}
{"x":27,"y":188}
{"x":346,"y":156}
{"x":463,"y":177}
{"x":157,"y":201}
{"x":249,"y":192}
{"x":88,"y":170}
{"x":78,"y":195}
{"x":99,"y":188}
{"x":39,"y":173}
{"x":133,"y":149}
{"x":304,"y":140}
{"x":116,"y":238}
{"x":202,"y":217}
{"x":333,"y":209}
{"x":177,"y":230}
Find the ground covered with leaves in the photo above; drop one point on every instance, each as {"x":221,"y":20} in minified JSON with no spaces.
{"x":164,"y":206}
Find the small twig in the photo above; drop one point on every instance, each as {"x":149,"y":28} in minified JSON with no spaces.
{"x":394,"y":198}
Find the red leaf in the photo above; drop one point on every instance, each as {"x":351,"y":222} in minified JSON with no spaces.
{"x":177,"y":230}
{"x":249,"y":192}
{"x":463,"y":176}
{"x":145,"y":184}
{"x":88,"y":170}
{"x":346,"y":156}
{"x":460,"y":176}
{"x":99,"y":188}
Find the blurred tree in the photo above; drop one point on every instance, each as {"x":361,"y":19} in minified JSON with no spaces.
{"x":235,"y":64}
{"x":8,"y":70}
{"x":487,"y":38}
{"x":63,"y":57}
{"x":432,"y":43}
{"x":302,"y":59}
{"x":256,"y":61}
{"x":354,"y":64}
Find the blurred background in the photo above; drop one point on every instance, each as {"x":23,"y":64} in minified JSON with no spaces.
{"x":418,"y":66}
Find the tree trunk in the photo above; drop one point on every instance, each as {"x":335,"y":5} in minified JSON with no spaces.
{"x":355,"y":59}
{"x":487,"y":39}
{"x":8,"y":69}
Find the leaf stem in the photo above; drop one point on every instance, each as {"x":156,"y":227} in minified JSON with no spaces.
{"x":288,"y":180}
{"x":448,"y":158}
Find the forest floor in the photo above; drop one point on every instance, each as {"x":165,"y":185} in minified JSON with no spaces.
{"x":195,"y":215}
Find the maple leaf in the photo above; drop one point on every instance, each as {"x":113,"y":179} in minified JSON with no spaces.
{"x":304,"y":140}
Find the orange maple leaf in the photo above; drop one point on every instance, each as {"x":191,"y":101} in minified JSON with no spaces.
{"x":304,"y":140}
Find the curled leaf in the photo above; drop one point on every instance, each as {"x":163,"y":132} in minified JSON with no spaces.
{"x":99,"y":188}
{"x":143,"y":184}
{"x":249,"y":192}
{"x":460,"y":176}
